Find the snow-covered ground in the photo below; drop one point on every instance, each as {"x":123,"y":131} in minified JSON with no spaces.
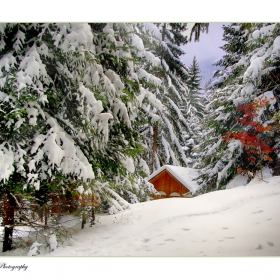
{"x":242,"y":221}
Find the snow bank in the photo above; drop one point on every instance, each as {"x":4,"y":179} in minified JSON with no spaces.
{"x":242,"y":221}
{"x":239,"y":180}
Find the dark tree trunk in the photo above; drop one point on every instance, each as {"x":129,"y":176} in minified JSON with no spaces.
{"x":46,"y":215}
{"x":163,"y":31}
{"x":84,"y":220}
{"x":155,"y":137}
{"x":9,"y":221}
{"x":92,"y":216}
{"x":276,"y":169}
{"x":154,"y":148}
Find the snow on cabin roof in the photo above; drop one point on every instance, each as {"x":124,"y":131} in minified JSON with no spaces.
{"x":184,"y":175}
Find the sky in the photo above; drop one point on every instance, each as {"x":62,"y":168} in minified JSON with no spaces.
{"x":207,"y":50}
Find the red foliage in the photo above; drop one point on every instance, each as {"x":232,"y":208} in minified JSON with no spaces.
{"x":255,"y":148}
{"x":262,"y":128}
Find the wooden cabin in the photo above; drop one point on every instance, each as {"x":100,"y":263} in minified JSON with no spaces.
{"x":173,"y":181}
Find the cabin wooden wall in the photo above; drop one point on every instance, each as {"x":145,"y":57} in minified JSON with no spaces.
{"x":167,"y":183}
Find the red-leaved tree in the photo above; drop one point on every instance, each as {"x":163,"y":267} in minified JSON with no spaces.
{"x":253,"y":139}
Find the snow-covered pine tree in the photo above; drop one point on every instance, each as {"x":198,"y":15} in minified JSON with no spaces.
{"x":171,"y":148}
{"x":68,"y":101}
{"x":193,"y":108}
{"x":151,"y":37}
{"x":250,"y":72}
{"x":125,"y":143}
{"x":194,"y":77}
{"x":207,"y":90}
{"x":164,"y":41}
{"x":39,"y":118}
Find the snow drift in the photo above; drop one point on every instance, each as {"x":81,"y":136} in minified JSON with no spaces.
{"x":242,"y":221}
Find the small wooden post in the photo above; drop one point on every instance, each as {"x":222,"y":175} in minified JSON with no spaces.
{"x":92,"y":216}
{"x":9,"y":221}
{"x":84,"y":220}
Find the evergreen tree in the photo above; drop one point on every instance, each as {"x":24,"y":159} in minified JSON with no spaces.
{"x":193,"y":109}
{"x":207,"y":90}
{"x":250,"y":71}
{"x":80,"y":105}
{"x":68,"y":103}
{"x":197,"y":29}
{"x":194,"y":106}
{"x":164,"y":40}
{"x":194,"y":78}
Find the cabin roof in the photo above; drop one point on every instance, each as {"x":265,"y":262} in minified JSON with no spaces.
{"x":184,"y":175}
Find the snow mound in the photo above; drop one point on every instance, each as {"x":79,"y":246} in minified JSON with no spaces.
{"x":242,"y":221}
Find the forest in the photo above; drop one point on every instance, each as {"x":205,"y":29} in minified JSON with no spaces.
{"x":89,"y":110}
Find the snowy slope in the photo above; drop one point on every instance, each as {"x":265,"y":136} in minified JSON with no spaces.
{"x":242,"y":221}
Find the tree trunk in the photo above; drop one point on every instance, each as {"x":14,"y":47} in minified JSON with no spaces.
{"x":84,"y":220}
{"x":163,"y":31}
{"x":92,"y":216}
{"x":276,"y":169}
{"x":9,"y":221}
{"x":154,"y":147}
{"x":46,"y":215}
{"x":40,"y":214}
{"x":260,"y":160}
